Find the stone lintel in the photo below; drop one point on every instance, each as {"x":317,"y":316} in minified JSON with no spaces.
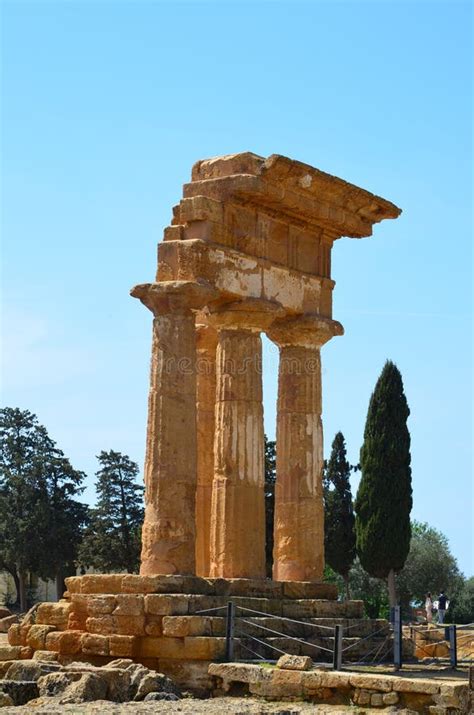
{"x":174,"y":296}
{"x":237,"y":275}
{"x":252,"y":314}
{"x":291,"y":188}
{"x":310,"y":331}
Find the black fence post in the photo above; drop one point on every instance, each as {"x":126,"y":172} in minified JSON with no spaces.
{"x":229,"y":633}
{"x":337,"y":654}
{"x":397,"y":638}
{"x":453,"y":646}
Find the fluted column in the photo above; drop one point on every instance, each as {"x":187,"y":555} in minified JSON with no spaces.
{"x":206,"y":337}
{"x":168,"y":534}
{"x":238,"y":502}
{"x":298,"y":553}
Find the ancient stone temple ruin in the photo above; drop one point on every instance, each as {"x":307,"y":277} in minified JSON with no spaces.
{"x":248,"y":253}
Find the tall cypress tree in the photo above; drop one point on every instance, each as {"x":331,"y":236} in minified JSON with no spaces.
{"x":384,"y":498}
{"x":112,"y":539}
{"x":270,"y":479}
{"x":339,"y":521}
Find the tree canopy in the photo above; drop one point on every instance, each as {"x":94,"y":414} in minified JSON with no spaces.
{"x":112,"y":539}
{"x":430,"y":566}
{"x":40,"y":520}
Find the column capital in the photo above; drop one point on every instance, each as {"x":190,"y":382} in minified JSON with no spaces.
{"x":174,"y":296}
{"x":255,"y":314}
{"x":308,"y":331}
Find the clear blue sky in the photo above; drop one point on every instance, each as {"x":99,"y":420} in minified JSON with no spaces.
{"x":106,"y":105}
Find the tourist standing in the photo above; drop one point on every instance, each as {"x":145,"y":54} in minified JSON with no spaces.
{"x":429,"y":608}
{"x":442,"y":607}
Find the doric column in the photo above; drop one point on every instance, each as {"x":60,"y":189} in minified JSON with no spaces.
{"x":206,"y":337}
{"x":298,"y":552}
{"x":168,"y":535}
{"x":238,"y":502}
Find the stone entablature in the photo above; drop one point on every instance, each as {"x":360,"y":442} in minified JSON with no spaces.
{"x":248,"y":252}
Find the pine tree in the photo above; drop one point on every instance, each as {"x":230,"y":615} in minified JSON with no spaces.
{"x":384,"y":498}
{"x":339,"y":513}
{"x":37,"y":486}
{"x":112,"y":540}
{"x":270,"y":479}
{"x":64,"y":516}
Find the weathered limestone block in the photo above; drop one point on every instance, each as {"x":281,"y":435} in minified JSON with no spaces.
{"x":123,"y":646}
{"x":99,"y":605}
{"x":370,"y":682}
{"x":418,"y":685}
{"x":94,"y":644}
{"x":181,"y":626}
{"x":17,"y":635}
{"x":168,"y":534}
{"x":10,"y":652}
{"x":99,"y":583}
{"x":241,"y":673}
{"x":190,"y":674}
{"x":314,"y":608}
{"x":202,"y":603}
{"x":165,"y":583}
{"x":283,"y":684}
{"x":376,"y":700}
{"x":161,"y":648}
{"x":204,"y":648}
{"x":244,"y":587}
{"x":129,"y":605}
{"x":309,"y":589}
{"x":65,"y":642}
{"x":294,"y":662}
{"x":46,"y":656}
{"x":54,"y":614}
{"x":166,"y":605}
{"x":36,"y":637}
{"x":129,"y":625}
{"x":102,"y":625}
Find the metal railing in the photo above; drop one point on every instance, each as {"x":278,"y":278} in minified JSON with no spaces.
{"x":240,"y":630}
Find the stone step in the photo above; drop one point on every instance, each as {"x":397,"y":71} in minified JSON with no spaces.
{"x":179,"y":604}
{"x":173,"y":584}
{"x":198,"y":625}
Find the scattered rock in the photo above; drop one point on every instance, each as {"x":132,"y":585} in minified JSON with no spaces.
{"x":46,"y":656}
{"x":30,"y":669}
{"x":5,"y":700}
{"x":295,"y":662}
{"x":117,"y":680}
{"x":55,"y":684}
{"x":155,"y":683}
{"x":21,"y":692}
{"x":88,"y":688}
{"x":161,"y":696}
